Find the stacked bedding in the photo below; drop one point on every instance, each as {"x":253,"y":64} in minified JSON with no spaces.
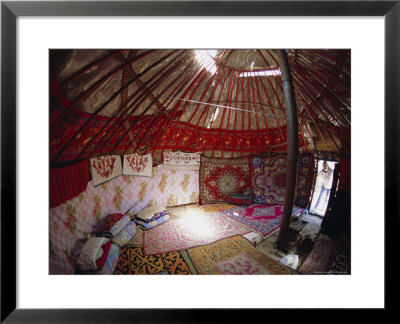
{"x":111,"y":261}
{"x":126,"y":234}
{"x":97,"y":256}
{"x":120,"y":228}
{"x":152,"y":217}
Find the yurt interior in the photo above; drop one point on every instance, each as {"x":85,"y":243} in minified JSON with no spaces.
{"x":199,"y":161}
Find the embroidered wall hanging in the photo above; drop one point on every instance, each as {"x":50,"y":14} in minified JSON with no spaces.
{"x":221,"y":177}
{"x":268,"y":179}
{"x":138,"y":165}
{"x":105,"y":168}
{"x":305,"y":179}
{"x":181,"y":161}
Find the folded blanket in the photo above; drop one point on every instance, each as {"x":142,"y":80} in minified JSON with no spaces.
{"x":155,"y":216}
{"x":125,"y":235}
{"x":120,"y":225}
{"x":111,"y":262}
{"x":148,"y":213}
{"x":104,"y":254}
{"x":90,"y":252}
{"x":152,"y":224}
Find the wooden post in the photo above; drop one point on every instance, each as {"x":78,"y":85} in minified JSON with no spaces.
{"x":292,"y":146}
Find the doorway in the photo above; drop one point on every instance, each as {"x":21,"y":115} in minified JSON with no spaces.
{"x":322,"y":188}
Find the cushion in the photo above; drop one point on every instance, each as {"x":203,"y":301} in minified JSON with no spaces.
{"x":125,"y":235}
{"x":152,"y":224}
{"x":149,"y":213}
{"x":111,"y":261}
{"x":105,"y":248}
{"x":219,"y":178}
{"x":110,"y":221}
{"x":238,"y":199}
{"x":118,"y":227}
{"x":89,"y":252}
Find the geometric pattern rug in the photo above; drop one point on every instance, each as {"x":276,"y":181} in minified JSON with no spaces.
{"x":262,"y":218}
{"x":234,"y":256}
{"x":132,"y":260}
{"x":196,"y":228}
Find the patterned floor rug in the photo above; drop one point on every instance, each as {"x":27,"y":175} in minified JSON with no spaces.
{"x":234,"y":255}
{"x":132,"y":260}
{"x":341,"y":265}
{"x":321,"y":258}
{"x":196,"y":228}
{"x":216,"y":207}
{"x":263,"y":218}
{"x":178,"y":212}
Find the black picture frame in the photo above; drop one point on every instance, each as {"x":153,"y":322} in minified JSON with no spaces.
{"x":10,"y":10}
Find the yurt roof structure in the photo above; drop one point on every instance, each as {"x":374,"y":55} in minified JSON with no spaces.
{"x":218,"y":102}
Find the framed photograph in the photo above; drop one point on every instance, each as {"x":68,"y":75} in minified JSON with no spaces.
{"x":30,"y":30}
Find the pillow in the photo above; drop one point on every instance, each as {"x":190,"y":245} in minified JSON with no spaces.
{"x":110,"y":221}
{"x":148,"y":213}
{"x":238,"y":199}
{"x":89,"y":252}
{"x":120,"y":225}
{"x":100,"y":262}
{"x":154,"y":223}
{"x":125,"y":235}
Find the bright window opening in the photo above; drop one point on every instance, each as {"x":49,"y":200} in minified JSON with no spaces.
{"x":260,"y":73}
{"x":206,"y":59}
{"x":323,"y":187}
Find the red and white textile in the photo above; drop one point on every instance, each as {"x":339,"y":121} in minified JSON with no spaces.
{"x":181,"y":161}
{"x":105,"y":168}
{"x":138,"y":165}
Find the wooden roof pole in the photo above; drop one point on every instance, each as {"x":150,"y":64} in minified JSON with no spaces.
{"x":203,"y":118}
{"x":261,"y":142}
{"x":292,"y":147}
{"x":229,"y":99}
{"x":95,"y":86}
{"x":236,"y":116}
